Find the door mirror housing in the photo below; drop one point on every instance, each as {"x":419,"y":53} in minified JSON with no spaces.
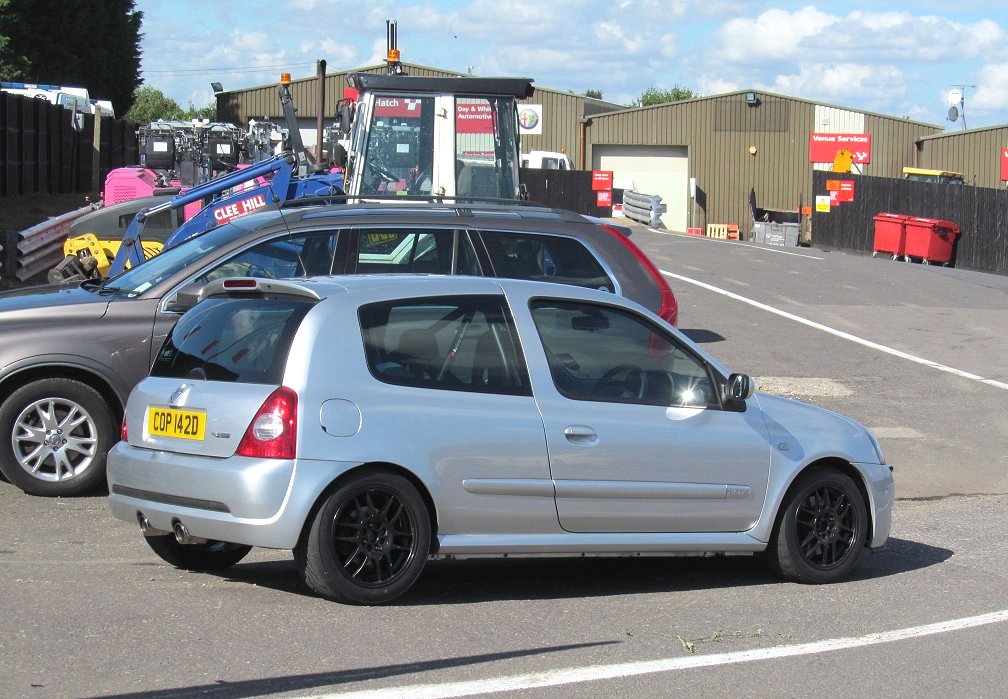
{"x":738,"y":389}
{"x":185,"y":298}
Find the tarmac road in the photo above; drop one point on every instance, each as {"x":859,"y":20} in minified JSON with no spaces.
{"x":87,"y":610}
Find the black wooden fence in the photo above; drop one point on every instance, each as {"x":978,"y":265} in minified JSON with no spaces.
{"x":41,"y":152}
{"x":565,"y":189}
{"x":980,"y":212}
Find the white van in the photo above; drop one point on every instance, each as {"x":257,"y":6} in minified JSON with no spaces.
{"x":546,"y":160}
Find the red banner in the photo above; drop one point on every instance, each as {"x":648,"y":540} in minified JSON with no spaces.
{"x":226,"y":213}
{"x":603,"y":198}
{"x":846,"y":191}
{"x":823,"y":147}
{"x":601,"y":180}
{"x":474,"y":118}
{"x":397,"y":107}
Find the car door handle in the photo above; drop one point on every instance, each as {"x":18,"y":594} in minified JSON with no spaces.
{"x":580,"y":434}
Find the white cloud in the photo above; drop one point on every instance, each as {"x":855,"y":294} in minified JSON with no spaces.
{"x":991,"y":91}
{"x":775,"y":34}
{"x":843,"y":83}
{"x":813,"y":34}
{"x":709,"y":85}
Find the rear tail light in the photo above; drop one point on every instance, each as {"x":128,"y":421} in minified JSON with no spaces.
{"x":123,"y":433}
{"x":669,"y":307}
{"x":272,"y":434}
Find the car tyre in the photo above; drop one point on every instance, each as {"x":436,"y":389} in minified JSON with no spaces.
{"x":368,"y":542}
{"x":58,"y":433}
{"x":211,"y":555}
{"x":821,"y":528}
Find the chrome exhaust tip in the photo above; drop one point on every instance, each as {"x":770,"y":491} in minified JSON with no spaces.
{"x":181,"y":533}
{"x":145,"y":525}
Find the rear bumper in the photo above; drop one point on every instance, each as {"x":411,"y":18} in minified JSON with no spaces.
{"x":258,"y":502}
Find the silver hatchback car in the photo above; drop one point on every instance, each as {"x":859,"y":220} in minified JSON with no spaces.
{"x":369,"y":423}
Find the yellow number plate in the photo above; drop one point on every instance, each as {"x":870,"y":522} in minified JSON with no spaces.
{"x":172,"y":422}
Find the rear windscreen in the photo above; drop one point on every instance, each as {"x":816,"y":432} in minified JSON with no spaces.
{"x":242,"y":339}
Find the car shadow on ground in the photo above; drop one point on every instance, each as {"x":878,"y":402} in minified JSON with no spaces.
{"x":496,"y":579}
{"x":701,"y":336}
{"x":304,"y":682}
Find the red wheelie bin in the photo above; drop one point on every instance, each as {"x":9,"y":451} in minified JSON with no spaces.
{"x":890,"y":235}
{"x":930,"y":240}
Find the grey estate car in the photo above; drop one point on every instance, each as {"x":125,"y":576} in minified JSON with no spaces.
{"x":70,"y":354}
{"x":368,"y":423}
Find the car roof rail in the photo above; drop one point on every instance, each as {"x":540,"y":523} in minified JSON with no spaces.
{"x":449,"y":200}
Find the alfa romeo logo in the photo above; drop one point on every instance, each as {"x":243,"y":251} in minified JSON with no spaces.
{"x":528,"y":118}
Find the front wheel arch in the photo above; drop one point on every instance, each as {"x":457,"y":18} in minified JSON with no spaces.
{"x":95,"y":380}
{"x":849,"y":470}
{"x":801,"y":513}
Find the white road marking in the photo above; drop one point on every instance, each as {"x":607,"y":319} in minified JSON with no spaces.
{"x":767,"y":248}
{"x":595,"y":673}
{"x":840,"y":333}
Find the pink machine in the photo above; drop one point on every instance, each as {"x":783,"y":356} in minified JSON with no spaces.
{"x":125,"y":183}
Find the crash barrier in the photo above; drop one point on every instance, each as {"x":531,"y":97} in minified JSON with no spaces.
{"x":644,"y":208}
{"x":980,"y":212}
{"x":41,"y":151}
{"x":39,"y":248}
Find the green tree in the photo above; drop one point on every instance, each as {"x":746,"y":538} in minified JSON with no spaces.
{"x":654,"y":95}
{"x":594,"y":94}
{"x":207,"y":112}
{"x":85,"y":43}
{"x":150,"y":104}
{"x":12,"y":63}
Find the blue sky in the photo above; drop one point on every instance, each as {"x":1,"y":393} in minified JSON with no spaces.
{"x":895,"y":58}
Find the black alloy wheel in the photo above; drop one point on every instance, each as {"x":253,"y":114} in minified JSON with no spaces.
{"x":822,"y":529}
{"x":369,"y":541}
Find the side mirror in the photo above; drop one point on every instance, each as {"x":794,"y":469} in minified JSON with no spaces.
{"x":339,"y":155}
{"x":185,"y":298}
{"x":738,"y":389}
{"x":344,"y":115}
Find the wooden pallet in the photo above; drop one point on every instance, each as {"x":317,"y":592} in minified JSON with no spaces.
{"x":723,"y":231}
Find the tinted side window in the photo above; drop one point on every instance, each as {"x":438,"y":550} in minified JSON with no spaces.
{"x":465,"y":343}
{"x":286,"y":256}
{"x":232,"y":339}
{"x":420,"y":251}
{"x":599,"y":353}
{"x":551,"y":258}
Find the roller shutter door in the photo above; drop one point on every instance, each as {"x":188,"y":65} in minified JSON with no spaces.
{"x":662,"y":170}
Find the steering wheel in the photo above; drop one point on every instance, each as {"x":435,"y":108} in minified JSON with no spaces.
{"x":634,"y":383}
{"x":377,"y":175}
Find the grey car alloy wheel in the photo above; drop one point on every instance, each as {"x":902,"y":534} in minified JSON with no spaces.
{"x":59,"y":432}
{"x":54,"y":439}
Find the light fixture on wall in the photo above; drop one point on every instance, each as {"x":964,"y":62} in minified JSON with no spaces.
{"x":752,"y":99}
{"x":752,"y":150}
{"x":216,"y":87}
